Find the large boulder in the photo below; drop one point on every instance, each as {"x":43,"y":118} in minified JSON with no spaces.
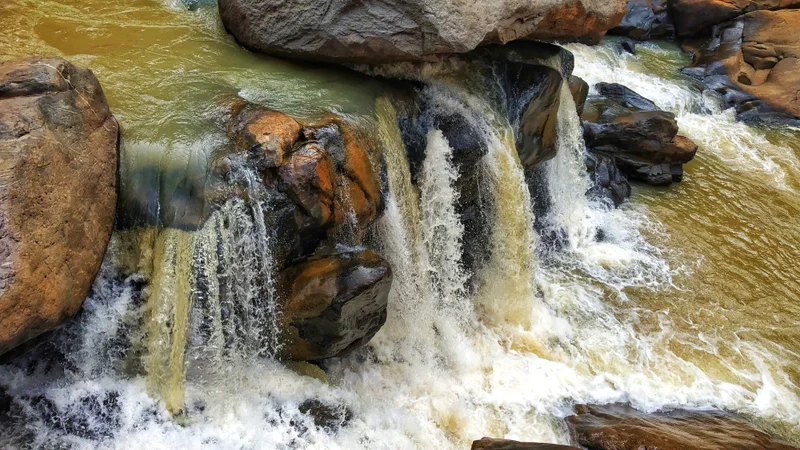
{"x":695,"y":17}
{"x":642,"y":139}
{"x":335,"y":303}
{"x":505,"y":444}
{"x":370,"y":31}
{"x":620,"y":427}
{"x":58,"y":179}
{"x":753,"y":62}
{"x":645,"y":20}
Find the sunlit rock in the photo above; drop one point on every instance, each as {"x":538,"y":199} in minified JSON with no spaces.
{"x":694,"y":17}
{"x":505,"y":444}
{"x":58,"y":181}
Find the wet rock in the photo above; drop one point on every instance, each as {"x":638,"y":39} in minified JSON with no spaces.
{"x":696,"y":17}
{"x":327,"y":416}
{"x":620,"y":427}
{"x":753,"y":63}
{"x":642,"y":139}
{"x":335,"y":303}
{"x":95,"y":416}
{"x":504,"y":444}
{"x":58,"y":181}
{"x":409,"y":30}
{"x":608,"y":181}
{"x":580,"y":91}
{"x":319,"y":177}
{"x":646,"y":20}
{"x":268,"y":135}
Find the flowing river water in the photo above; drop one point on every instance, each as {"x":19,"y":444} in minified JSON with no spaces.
{"x":691,"y":299}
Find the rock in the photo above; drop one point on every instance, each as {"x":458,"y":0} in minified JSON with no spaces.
{"x":620,"y":427}
{"x":58,"y":181}
{"x":269,"y":135}
{"x":329,"y":417}
{"x":580,"y":91}
{"x":504,"y":444}
{"x":696,"y":17}
{"x":94,"y":416}
{"x":608,"y":180}
{"x":370,"y":31}
{"x":646,"y":20}
{"x":753,"y":63}
{"x":334,"y":303}
{"x":642,"y":139}
{"x":320,"y":176}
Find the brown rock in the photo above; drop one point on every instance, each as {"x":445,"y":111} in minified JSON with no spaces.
{"x":754,"y":63}
{"x":271,"y":134}
{"x":308,"y":178}
{"x":620,"y":427}
{"x":371,"y":31}
{"x":58,"y":175}
{"x":580,"y":91}
{"x":504,"y":444}
{"x":694,"y":17}
{"x":334,"y":303}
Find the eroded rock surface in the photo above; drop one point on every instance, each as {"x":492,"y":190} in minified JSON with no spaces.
{"x":753,"y":62}
{"x":620,"y":427}
{"x":58,"y":179}
{"x":645,"y":20}
{"x":370,"y":31}
{"x":335,"y":303}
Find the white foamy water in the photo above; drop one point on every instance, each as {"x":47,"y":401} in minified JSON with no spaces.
{"x":448,"y":367}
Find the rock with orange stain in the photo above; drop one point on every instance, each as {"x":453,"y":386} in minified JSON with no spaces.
{"x":58,"y":191}
{"x":268,"y":134}
{"x":335,"y":303}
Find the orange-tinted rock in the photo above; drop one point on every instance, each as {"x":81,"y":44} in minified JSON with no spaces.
{"x":334,"y":303}
{"x":620,"y":427}
{"x":754,"y":63}
{"x":574,"y":21}
{"x":58,"y":178}
{"x":258,"y":129}
{"x":308,"y":177}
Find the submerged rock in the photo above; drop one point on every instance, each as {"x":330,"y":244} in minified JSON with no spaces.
{"x":334,"y":303}
{"x":645,"y":20}
{"x":642,"y":139}
{"x":59,"y":147}
{"x":409,"y":30}
{"x":327,"y":416}
{"x":608,"y":181}
{"x":504,"y":444}
{"x":753,"y":62}
{"x":620,"y":427}
{"x":694,"y":17}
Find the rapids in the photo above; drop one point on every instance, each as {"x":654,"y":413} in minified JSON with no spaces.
{"x":689,"y":300}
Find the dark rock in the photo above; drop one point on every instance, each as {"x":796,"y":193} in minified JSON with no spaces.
{"x":58,"y":190}
{"x":696,"y":17}
{"x":753,"y":63}
{"x":580,"y":91}
{"x":334,"y":303}
{"x":608,"y":180}
{"x":620,"y":427}
{"x":627,"y":46}
{"x":329,"y":417}
{"x":646,"y":20}
{"x":369,"y":31}
{"x":90,"y":417}
{"x":504,"y":444}
{"x":642,"y":139}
